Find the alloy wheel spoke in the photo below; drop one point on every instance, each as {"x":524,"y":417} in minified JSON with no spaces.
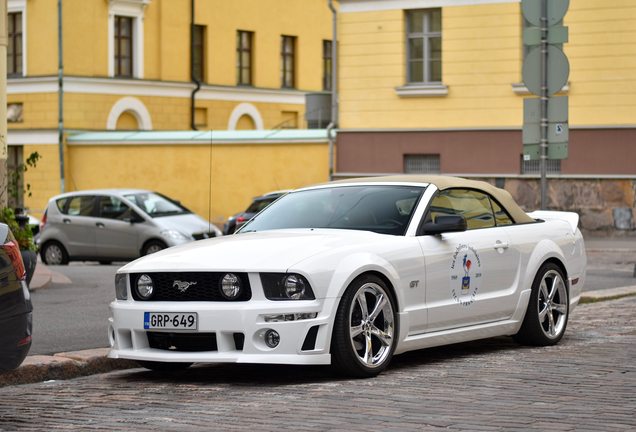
{"x":368,"y":349}
{"x":553,"y":289}
{"x":355,"y":330}
{"x":544,"y":290}
{"x":364,"y":308}
{"x":552,"y":329}
{"x":560,"y":307}
{"x":383,"y":336}
{"x":379,"y":307}
{"x":542,"y":313}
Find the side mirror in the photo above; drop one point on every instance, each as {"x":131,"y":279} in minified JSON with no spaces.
{"x":134,"y":218}
{"x":446,"y":223}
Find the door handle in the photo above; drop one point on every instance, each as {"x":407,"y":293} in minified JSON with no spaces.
{"x":500,"y":245}
{"x":67,"y":221}
{"x":99,"y":225}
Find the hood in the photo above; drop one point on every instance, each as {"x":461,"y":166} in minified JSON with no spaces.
{"x":187,"y":224}
{"x":274,"y":251}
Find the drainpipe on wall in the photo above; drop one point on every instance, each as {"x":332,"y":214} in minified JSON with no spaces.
{"x":334,"y":89}
{"x":60,"y":97}
{"x":194,"y":78}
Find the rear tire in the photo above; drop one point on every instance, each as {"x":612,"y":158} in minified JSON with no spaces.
{"x":548,"y":309}
{"x":152,"y":247}
{"x":365,"y":329}
{"x":163,"y":366}
{"x":53,"y":253}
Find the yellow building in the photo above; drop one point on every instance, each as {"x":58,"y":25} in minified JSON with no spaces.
{"x":160,"y":65}
{"x":436,"y":86}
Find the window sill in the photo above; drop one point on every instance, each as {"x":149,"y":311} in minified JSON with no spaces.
{"x":425,"y":90}
{"x":521,"y":89}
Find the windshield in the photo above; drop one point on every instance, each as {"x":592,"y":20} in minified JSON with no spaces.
{"x":381,"y":209}
{"x":157,"y":205}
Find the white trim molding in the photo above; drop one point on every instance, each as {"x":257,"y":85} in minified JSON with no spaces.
{"x":427,"y":90}
{"x":132,"y":87}
{"x":134,"y":9}
{"x":245,"y":109}
{"x":521,"y":89}
{"x":30,"y":136}
{"x":132,"y":106}
{"x":352,"y":6}
{"x":20,"y":6}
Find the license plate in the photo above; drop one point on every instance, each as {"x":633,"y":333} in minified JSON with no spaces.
{"x":170,"y":321}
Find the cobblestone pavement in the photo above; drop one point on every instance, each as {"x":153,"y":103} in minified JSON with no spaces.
{"x":585,"y":383}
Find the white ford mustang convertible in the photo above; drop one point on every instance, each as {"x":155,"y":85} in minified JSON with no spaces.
{"x":350,"y":273}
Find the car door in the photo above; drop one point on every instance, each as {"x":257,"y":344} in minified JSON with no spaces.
{"x":115,"y":238}
{"x":471,"y":276}
{"x":78,"y":226}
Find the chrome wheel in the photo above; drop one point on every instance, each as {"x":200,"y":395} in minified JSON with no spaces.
{"x":552,"y":304}
{"x":371,"y":329}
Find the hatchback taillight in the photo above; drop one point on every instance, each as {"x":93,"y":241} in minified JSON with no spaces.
{"x":13,"y":250}
{"x":43,"y":222}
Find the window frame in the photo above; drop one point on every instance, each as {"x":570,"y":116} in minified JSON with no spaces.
{"x":425,"y":35}
{"x":327,"y":64}
{"x":118,"y":40}
{"x":135,"y":10}
{"x":240,"y":50}
{"x":12,"y":64}
{"x":288,"y":75}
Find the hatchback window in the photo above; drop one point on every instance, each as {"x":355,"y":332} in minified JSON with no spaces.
{"x":157,"y":205}
{"x":259,"y":205}
{"x":81,"y":206}
{"x":113,"y":208}
{"x":61,"y":203}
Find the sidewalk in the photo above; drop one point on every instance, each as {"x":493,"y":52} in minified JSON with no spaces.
{"x":88,"y":362}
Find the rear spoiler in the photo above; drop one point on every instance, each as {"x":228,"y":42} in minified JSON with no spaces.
{"x":569,"y":217}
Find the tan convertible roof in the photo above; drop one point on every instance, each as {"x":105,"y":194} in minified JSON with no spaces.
{"x":445,"y":182}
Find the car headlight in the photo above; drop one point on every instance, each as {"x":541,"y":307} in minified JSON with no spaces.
{"x":121,"y":291}
{"x":145,"y":287}
{"x":174,"y":234}
{"x":231,"y":286}
{"x":286,"y":286}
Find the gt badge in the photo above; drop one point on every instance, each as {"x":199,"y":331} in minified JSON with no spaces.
{"x":464,"y":263}
{"x":183,"y":286}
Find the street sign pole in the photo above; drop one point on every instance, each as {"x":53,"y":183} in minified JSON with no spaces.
{"x":544,"y":100}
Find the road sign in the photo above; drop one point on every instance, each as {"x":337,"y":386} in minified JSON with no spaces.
{"x":531,"y":10}
{"x":558,"y":70}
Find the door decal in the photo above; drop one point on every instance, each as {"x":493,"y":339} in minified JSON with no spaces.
{"x":464,"y":264}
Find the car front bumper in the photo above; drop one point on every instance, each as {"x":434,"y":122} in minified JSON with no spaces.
{"x":129,"y":339}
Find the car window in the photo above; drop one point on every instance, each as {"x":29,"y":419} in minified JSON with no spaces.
{"x":157,"y":205}
{"x":259,"y":205}
{"x":381,"y":209}
{"x":81,"y":205}
{"x":501,"y":216}
{"x":61,"y":203}
{"x":473,"y":205}
{"x":113,"y":208}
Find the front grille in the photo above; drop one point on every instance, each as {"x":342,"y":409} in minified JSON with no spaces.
{"x":204,"y":286}
{"x":190,"y":342}
{"x":204,"y":235}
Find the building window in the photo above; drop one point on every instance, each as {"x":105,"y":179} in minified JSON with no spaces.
{"x":243,"y":57}
{"x":287,"y":62}
{"x":15,"y":174}
{"x":534,"y":166}
{"x":14,"y":47}
{"x":421,"y":164}
{"x":198,"y":51}
{"x":123,"y":46}
{"x":424,"y":46}
{"x":326,"y":65}
{"x":14,"y":113}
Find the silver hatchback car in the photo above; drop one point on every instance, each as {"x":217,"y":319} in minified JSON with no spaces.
{"x":108,"y":225}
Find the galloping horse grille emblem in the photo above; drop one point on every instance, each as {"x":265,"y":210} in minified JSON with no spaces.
{"x":183,"y":286}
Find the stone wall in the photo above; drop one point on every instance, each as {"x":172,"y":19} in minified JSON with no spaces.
{"x":602,"y":204}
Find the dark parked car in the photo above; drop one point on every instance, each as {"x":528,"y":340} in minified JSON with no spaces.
{"x":258,"y":204}
{"x":15,"y":305}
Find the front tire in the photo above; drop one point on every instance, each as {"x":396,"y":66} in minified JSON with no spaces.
{"x":163,"y":366}
{"x":548,"y":309}
{"x":365,"y":329}
{"x":53,"y":253}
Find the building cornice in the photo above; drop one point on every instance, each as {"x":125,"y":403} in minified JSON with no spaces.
{"x":134,"y":87}
{"x":352,"y":6}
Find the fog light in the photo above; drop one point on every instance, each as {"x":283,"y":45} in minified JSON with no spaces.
{"x":272,"y":338}
{"x":145,"y":288}
{"x":230,"y":286}
{"x":294,"y":287}
{"x":290,"y":317}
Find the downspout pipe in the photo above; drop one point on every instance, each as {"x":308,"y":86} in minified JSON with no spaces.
{"x":334,"y":89}
{"x":60,"y":96}
{"x":192,"y":73}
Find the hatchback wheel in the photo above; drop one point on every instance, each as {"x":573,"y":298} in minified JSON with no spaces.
{"x":53,"y":253}
{"x":153,"y":246}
